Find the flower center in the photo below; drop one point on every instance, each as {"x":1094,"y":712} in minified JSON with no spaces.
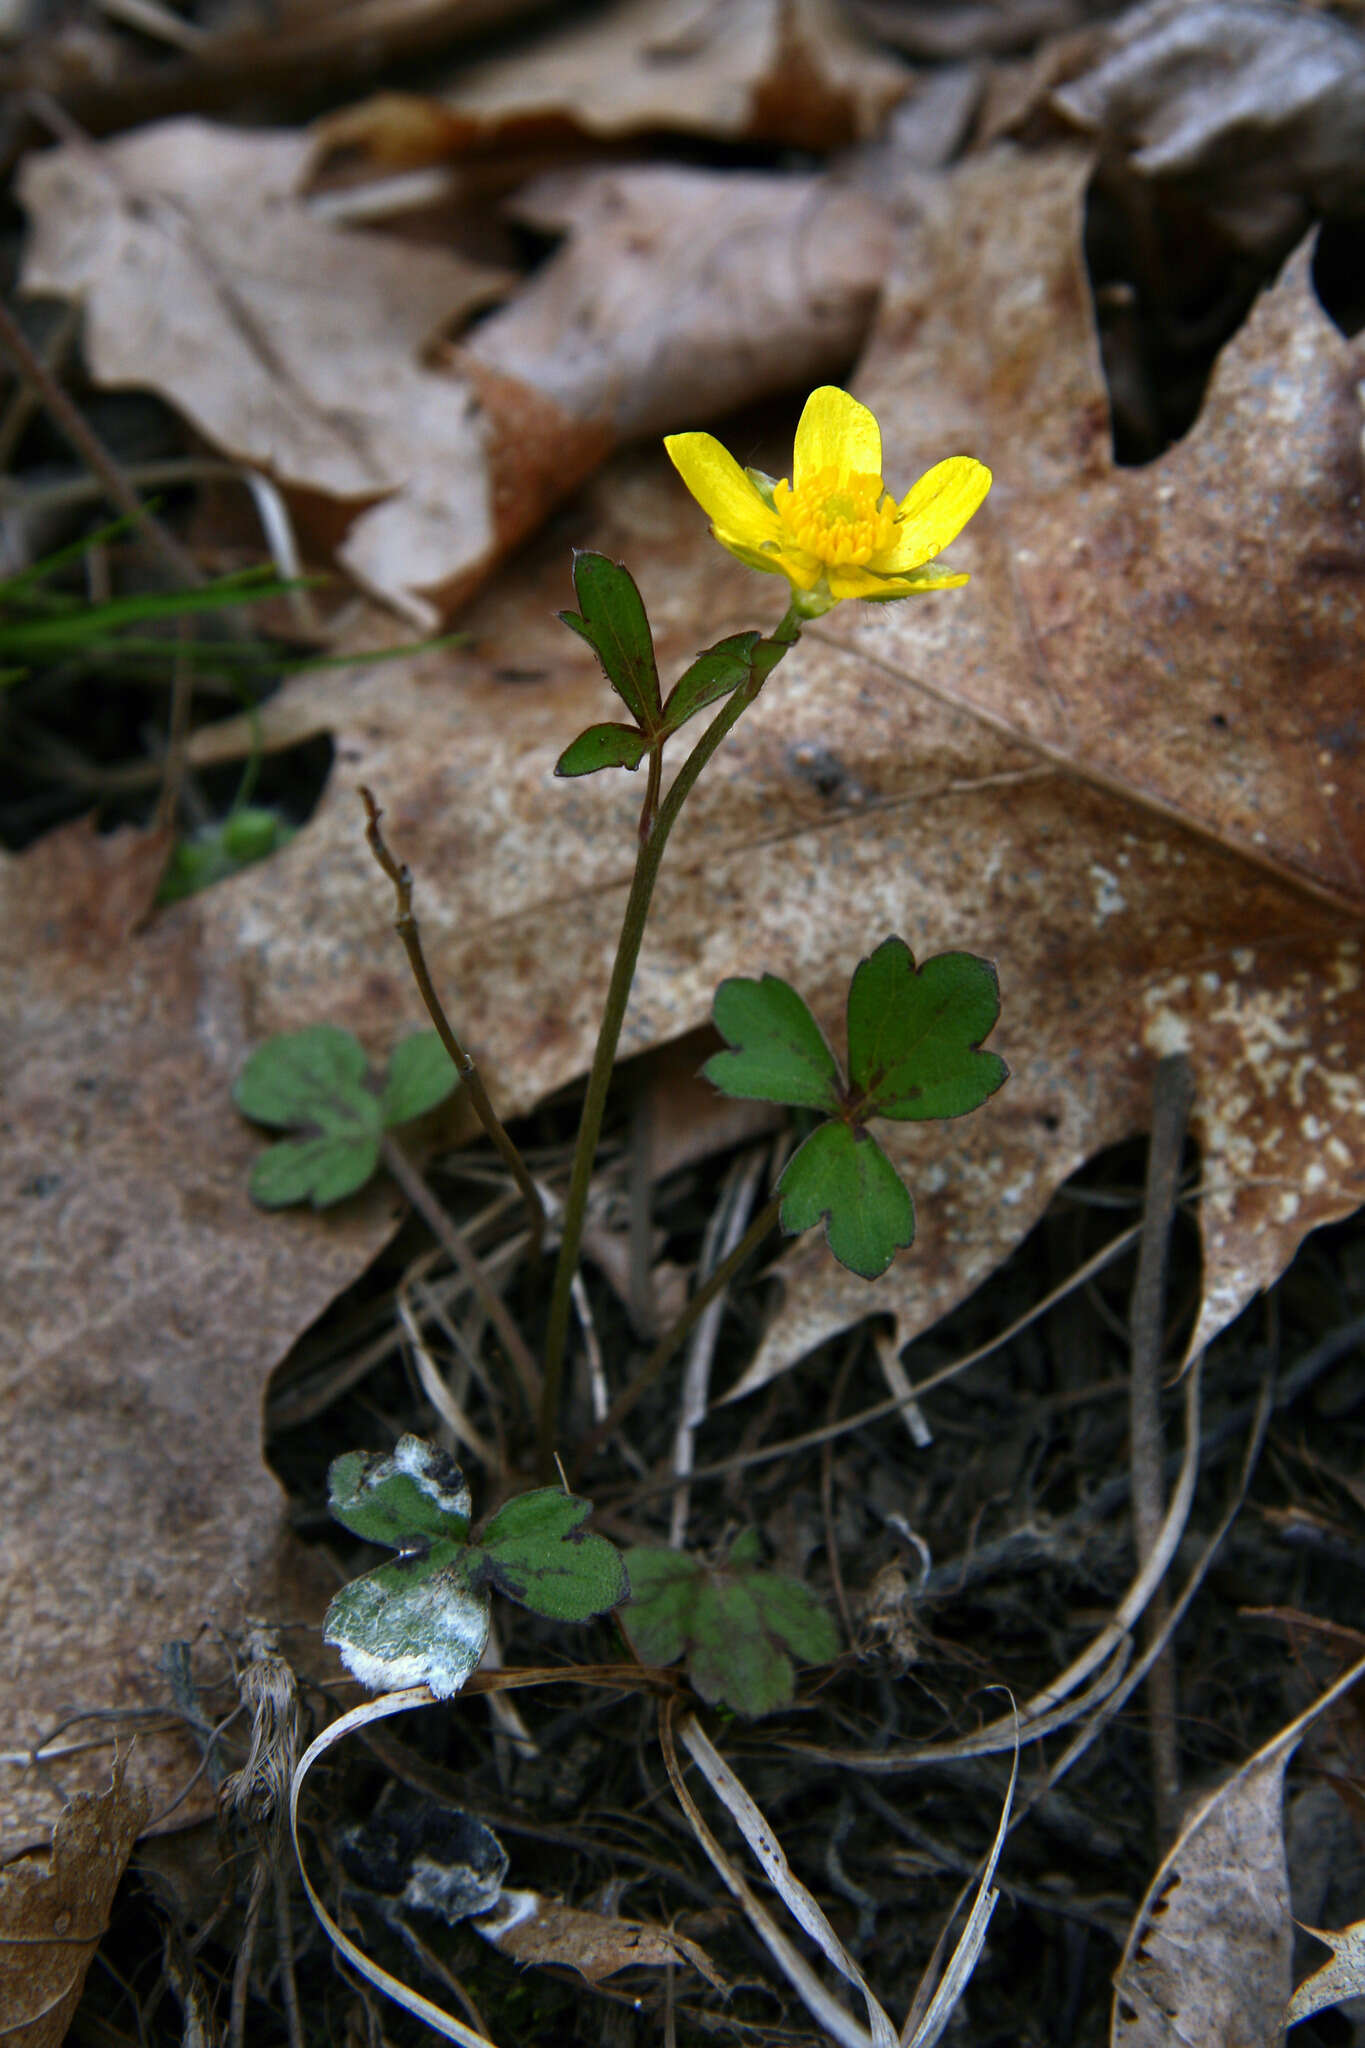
{"x":839,"y":516}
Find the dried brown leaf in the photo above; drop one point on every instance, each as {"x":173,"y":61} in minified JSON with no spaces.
{"x":682,"y":293}
{"x":311,"y":351}
{"x":147,"y":1301}
{"x":1258,"y":106}
{"x":294,"y":346}
{"x":532,"y":1929}
{"x":1181,"y":643}
{"x":1207,"y":1962}
{"x":1343,"y":1977}
{"x":55,"y":1907}
{"x":780,"y":71}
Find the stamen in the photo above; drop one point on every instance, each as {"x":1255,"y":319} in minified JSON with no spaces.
{"x":840,"y":517}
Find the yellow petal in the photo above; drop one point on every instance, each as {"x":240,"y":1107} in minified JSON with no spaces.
{"x":857,"y":582}
{"x":835,"y":432}
{"x":723,"y":491}
{"x":935,"y":512}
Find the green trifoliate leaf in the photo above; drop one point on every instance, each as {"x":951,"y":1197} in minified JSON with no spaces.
{"x":312,"y":1082}
{"x":843,"y":1177}
{"x":421,"y":1075}
{"x":303,"y":1077}
{"x":416,"y":1621}
{"x":738,"y":1626}
{"x":535,"y":1552}
{"x":414,"y":1494}
{"x":603,"y":746}
{"x":914,"y":1034}
{"x":612,"y":620}
{"x":317,"y":1170}
{"x":715,"y":672}
{"x":778,"y":1050}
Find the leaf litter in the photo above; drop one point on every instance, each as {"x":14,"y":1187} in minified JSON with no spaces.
{"x":1147,"y":879}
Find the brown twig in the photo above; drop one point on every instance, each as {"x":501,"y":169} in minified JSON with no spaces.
{"x":1172,"y":1095}
{"x":492,"y":1303}
{"x":405,"y":924}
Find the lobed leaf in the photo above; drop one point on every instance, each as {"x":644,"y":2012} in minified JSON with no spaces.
{"x":738,"y":1625}
{"x":844,"y":1178}
{"x":914,"y":1034}
{"x":535,"y":1552}
{"x":421,"y":1075}
{"x":613,"y":621}
{"x":778,"y":1052}
{"x":415,"y":1621}
{"x":415,"y":1494}
{"x":603,"y":746}
{"x":317,"y":1170}
{"x":315,"y":1076}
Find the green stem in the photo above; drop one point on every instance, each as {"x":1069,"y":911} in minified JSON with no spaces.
{"x":648,"y":860}
{"x":766,"y":1220}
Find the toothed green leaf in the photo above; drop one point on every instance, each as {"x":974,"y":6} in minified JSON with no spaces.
{"x":535,"y":1552}
{"x":317,"y":1170}
{"x":406,"y":1497}
{"x":914,"y":1034}
{"x":738,"y":1626}
{"x":844,"y":1178}
{"x":314,"y":1076}
{"x":778,"y":1052}
{"x":416,"y":1621}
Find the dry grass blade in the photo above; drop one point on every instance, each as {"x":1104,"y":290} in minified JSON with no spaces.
{"x":442,"y":2022}
{"x":838,"y":2024}
{"x":970,"y":1942}
{"x":768,"y":1852}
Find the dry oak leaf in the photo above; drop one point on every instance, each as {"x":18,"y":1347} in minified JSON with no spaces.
{"x":1261,"y":106}
{"x":794,"y":72}
{"x":147,"y":1303}
{"x":311,"y":351}
{"x":1343,"y":1977}
{"x":1182,"y":643}
{"x":682,"y":293}
{"x":1207,"y":1960}
{"x":292,"y":345}
{"x":54,"y":1908}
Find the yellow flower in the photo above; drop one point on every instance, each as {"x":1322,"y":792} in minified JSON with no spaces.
{"x":835,"y":531}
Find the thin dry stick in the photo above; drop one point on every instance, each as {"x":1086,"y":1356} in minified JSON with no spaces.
{"x":405,"y":924}
{"x":471,"y":1268}
{"x":1172,"y":1095}
{"x":92,"y":451}
{"x":722,"y":1235}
